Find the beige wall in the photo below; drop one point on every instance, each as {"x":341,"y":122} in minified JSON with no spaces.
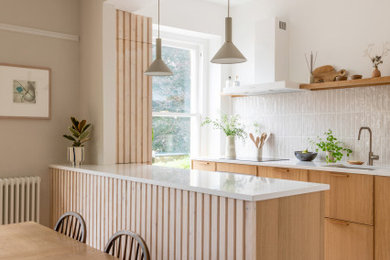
{"x":29,"y":146}
{"x":91,"y":68}
{"x":97,"y":53}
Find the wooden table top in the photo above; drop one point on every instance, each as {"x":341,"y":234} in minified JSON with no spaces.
{"x":34,"y":241}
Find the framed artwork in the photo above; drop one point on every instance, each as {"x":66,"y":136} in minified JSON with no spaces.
{"x":24,"y":92}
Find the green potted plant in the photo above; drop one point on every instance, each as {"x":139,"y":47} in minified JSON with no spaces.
{"x":79,"y":135}
{"x":232,"y":128}
{"x":333,"y":148}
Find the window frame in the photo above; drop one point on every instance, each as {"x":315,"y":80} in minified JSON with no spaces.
{"x":197,"y":47}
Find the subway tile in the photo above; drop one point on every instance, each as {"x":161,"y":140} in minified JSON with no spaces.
{"x":295,"y":117}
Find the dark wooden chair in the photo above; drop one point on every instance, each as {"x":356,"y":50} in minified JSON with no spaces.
{"x":127,"y":245}
{"x":72,"y":225}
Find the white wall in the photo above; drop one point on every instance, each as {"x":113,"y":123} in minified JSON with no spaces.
{"x":28,"y":146}
{"x":339,"y":30}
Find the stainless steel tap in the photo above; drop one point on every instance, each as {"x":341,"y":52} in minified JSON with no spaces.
{"x":371,"y":155}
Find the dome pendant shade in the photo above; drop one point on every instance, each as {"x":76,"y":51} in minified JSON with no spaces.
{"x":228,"y":53}
{"x":158,"y":67}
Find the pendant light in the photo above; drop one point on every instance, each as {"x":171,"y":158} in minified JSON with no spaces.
{"x":158,"y":67}
{"x":228,"y":53}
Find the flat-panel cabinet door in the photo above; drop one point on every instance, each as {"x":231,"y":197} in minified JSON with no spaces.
{"x":382,"y":218}
{"x":237,"y":168}
{"x":351,"y":196}
{"x":282,"y":173}
{"x":203,"y":165}
{"x":348,"y":241}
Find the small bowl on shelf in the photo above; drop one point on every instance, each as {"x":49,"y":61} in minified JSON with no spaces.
{"x":353,"y":77}
{"x":305,"y":156}
{"x":341,"y":78}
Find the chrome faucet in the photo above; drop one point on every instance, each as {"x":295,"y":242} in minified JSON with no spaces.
{"x":371,"y":156}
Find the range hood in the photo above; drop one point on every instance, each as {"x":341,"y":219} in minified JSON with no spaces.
{"x":271,"y":66}
{"x":263,"y":88}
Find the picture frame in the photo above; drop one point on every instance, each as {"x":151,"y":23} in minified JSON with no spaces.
{"x":25,"y":92}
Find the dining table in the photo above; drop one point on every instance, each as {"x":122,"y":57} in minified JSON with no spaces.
{"x":31,"y":240}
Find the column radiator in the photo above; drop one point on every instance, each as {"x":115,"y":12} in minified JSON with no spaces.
{"x":19,"y":199}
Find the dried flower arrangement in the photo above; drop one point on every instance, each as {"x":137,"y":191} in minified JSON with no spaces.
{"x":377,"y":59}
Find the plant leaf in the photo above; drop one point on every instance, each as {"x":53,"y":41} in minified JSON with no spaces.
{"x":81,"y":125}
{"x":85,"y":128}
{"x":75,"y":122}
{"x":85,"y":140}
{"x":74,"y":132}
{"x":84,"y":135}
{"x":69,"y":138}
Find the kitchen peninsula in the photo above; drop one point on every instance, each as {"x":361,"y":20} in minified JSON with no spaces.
{"x":193,"y":214}
{"x":356,"y":206}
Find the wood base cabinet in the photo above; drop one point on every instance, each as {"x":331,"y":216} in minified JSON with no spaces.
{"x":357,"y":210}
{"x":382,"y":218}
{"x":350,"y":198}
{"x":283,"y":173}
{"x":237,"y":168}
{"x":348,"y":241}
{"x":203,"y":165}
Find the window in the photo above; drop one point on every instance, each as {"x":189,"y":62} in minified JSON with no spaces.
{"x":175,"y":105}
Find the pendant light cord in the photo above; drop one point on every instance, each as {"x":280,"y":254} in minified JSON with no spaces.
{"x":158,"y":18}
{"x":228,"y":8}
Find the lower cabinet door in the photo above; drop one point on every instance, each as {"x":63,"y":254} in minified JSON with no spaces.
{"x":348,"y":241}
{"x":237,"y":168}
{"x":283,"y":173}
{"x":203,"y":165}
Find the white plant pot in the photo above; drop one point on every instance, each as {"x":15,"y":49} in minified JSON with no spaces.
{"x":76,"y":156}
{"x":259,"y":154}
{"x":230,"y":151}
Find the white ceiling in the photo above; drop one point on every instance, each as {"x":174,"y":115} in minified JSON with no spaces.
{"x":133,"y":5}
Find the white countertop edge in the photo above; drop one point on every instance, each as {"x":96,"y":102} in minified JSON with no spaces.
{"x":274,"y":195}
{"x":295,"y":164}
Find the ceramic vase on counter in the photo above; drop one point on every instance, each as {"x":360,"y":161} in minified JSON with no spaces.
{"x":259,"y":154}
{"x":230,"y":151}
{"x":76,"y":155}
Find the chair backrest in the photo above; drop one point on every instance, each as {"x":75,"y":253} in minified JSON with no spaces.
{"x":127,"y":245}
{"x":72,"y":225}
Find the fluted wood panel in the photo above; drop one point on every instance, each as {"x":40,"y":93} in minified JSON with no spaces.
{"x":176,"y":224}
{"x":134,"y":89}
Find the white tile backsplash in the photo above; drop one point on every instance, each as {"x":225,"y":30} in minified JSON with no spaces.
{"x":292,"y":118}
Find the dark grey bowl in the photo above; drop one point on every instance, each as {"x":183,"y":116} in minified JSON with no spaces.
{"x":305,"y":156}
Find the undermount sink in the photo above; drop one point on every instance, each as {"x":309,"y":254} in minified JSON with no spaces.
{"x":349,"y":167}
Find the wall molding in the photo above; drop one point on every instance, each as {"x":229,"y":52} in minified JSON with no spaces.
{"x":34,"y":31}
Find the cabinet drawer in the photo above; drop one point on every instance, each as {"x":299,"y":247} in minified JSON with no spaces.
{"x":348,"y":241}
{"x":237,"y":168}
{"x":282,"y":173}
{"x":203,"y":165}
{"x":351,"y":196}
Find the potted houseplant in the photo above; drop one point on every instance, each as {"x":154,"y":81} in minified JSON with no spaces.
{"x":333,"y":148}
{"x":232,"y":128}
{"x":79,"y":135}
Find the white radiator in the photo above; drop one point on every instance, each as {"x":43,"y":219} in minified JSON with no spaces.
{"x":19,"y":199}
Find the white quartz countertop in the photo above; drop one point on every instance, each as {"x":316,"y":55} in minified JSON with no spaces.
{"x":230,"y":185}
{"x":315,"y":165}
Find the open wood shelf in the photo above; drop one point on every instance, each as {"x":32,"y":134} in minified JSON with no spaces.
{"x":347,"y":83}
